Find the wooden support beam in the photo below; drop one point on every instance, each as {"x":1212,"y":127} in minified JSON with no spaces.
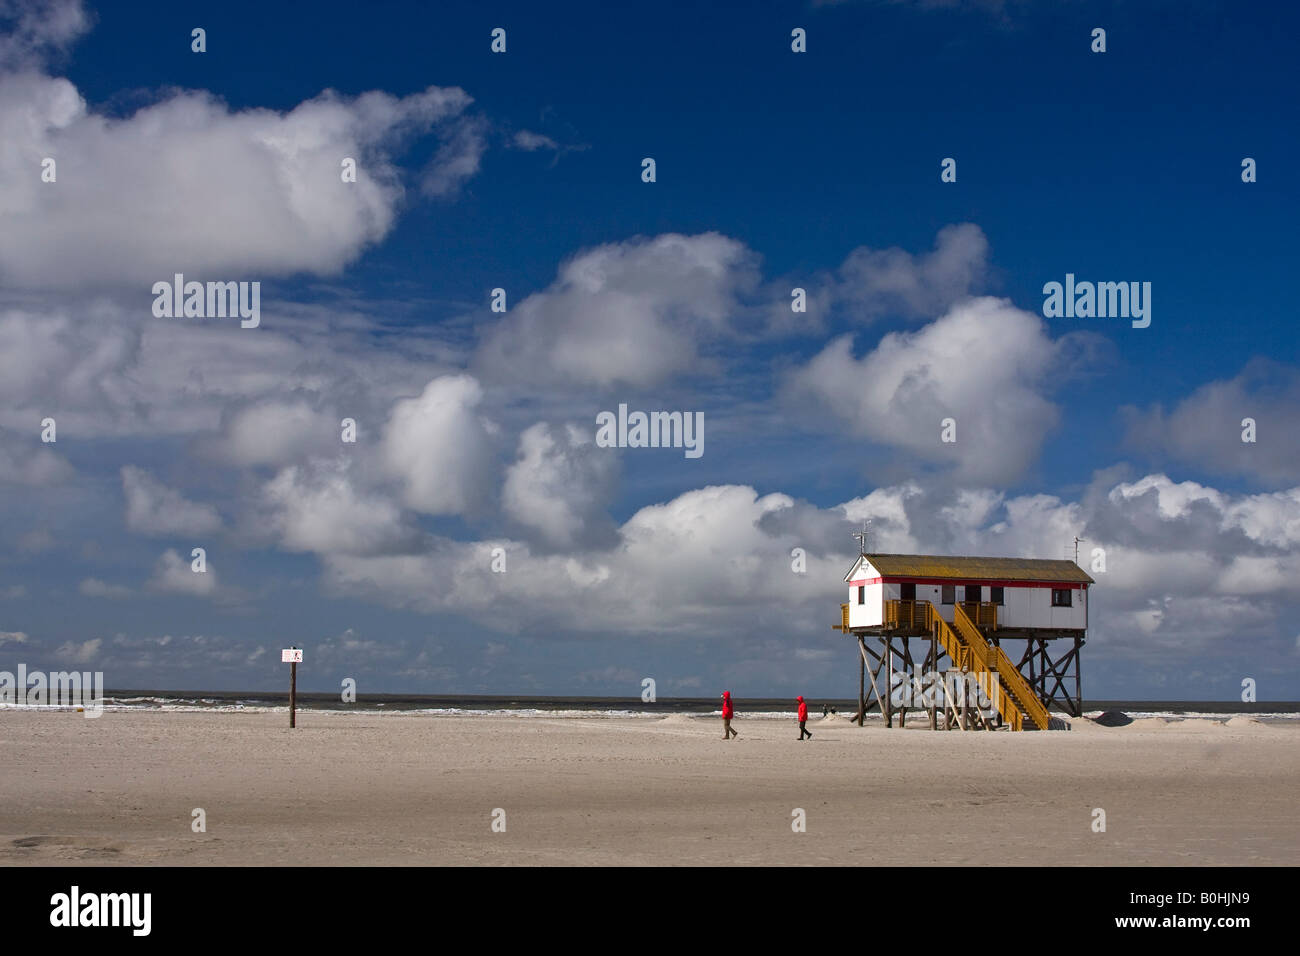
{"x":1078,"y":676}
{"x":1029,"y":653}
{"x":952,"y":712}
{"x":1042,"y":673}
{"x":889,"y":704}
{"x":874,"y":689}
{"x":1050,"y":669}
{"x":1060,"y":672}
{"x":908,"y":671}
{"x":862,"y":692}
{"x":941,"y":688}
{"x":931,"y":667}
{"x":965,"y":702}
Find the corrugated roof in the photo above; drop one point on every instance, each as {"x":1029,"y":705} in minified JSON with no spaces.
{"x":966,"y":568}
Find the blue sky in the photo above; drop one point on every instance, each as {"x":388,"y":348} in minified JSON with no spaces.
{"x":522,"y":171}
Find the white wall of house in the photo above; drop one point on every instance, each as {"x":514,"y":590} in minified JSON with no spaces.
{"x":871,"y":613}
{"x":1032,"y":607}
{"x":1021,"y":606}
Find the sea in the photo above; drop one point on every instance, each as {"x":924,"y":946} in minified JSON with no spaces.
{"x":459,"y":705}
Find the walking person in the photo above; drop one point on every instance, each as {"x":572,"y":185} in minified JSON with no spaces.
{"x":727,"y":713}
{"x":803,"y":719}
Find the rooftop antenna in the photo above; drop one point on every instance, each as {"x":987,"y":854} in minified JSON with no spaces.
{"x":862,"y":536}
{"x":1077,"y":539}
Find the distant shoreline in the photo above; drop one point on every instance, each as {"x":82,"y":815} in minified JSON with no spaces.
{"x":152,"y":699}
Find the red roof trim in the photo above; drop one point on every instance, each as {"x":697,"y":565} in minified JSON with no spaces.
{"x":1059,"y":585}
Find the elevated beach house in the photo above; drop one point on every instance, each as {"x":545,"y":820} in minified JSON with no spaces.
{"x":968,"y":612}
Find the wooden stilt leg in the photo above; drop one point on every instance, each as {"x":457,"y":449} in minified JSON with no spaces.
{"x":907,"y":672}
{"x":872,"y":675}
{"x":931,"y":668}
{"x":1078,"y":670}
{"x":862,"y":684}
{"x":889,"y":684}
{"x":965,"y":702}
{"x":1029,"y":653}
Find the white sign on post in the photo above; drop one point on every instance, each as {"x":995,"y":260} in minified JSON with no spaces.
{"x":293,"y":656}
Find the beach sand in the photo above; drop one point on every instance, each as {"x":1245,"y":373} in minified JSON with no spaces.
{"x":416,"y":789}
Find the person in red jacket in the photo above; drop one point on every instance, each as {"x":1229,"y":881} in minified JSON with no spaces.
{"x":727,"y":713}
{"x":803,"y":719}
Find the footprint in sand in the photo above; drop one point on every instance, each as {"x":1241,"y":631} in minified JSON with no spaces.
{"x":65,"y":843}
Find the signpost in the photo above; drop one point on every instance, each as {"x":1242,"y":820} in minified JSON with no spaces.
{"x":293,"y":657}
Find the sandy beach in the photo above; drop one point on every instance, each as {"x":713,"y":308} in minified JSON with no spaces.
{"x":414,"y":789}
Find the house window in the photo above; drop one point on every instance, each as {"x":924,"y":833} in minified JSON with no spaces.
{"x":909,"y":592}
{"x":862,"y":594}
{"x":995,"y":595}
{"x":973,"y":592}
{"x":949,"y":594}
{"x":1061,"y":597}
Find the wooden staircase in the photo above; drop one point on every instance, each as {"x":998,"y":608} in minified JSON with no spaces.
{"x":971,"y":652}
{"x":1015,"y":700}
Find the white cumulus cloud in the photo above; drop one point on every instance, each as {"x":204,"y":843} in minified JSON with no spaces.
{"x":188,"y":185}
{"x":560,"y":485}
{"x":152,"y":508}
{"x":984,"y":365}
{"x":175,"y":575}
{"x":439,"y":448}
{"x":632,"y":313}
{"x":317,"y":507}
